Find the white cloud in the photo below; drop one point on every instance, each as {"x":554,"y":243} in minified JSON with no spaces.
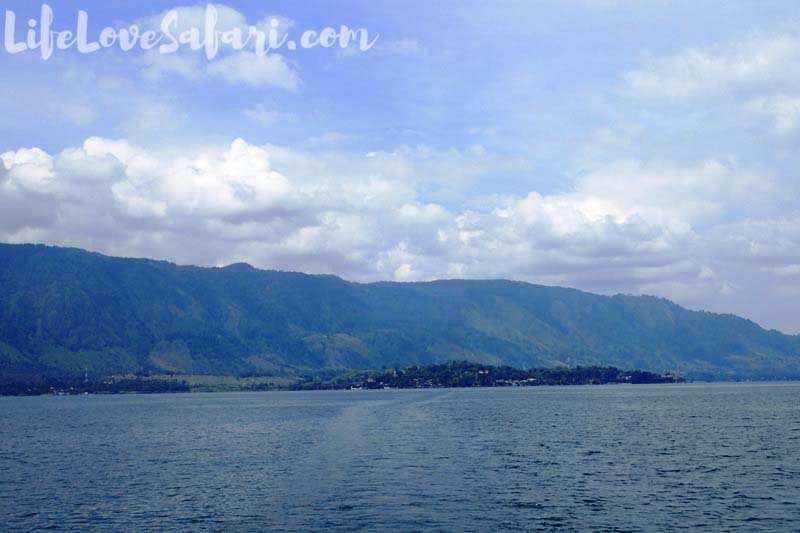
{"x":250,"y":69}
{"x":330,"y":138}
{"x":754,"y":62}
{"x":80,"y":114}
{"x":783,"y":110}
{"x":229,"y":184}
{"x":266,"y":116}
{"x":29,"y":169}
{"x":190,"y":17}
{"x":148,"y":115}
{"x":678,"y":197}
{"x":626,"y":227}
{"x":235,"y":67}
{"x":186,"y":65}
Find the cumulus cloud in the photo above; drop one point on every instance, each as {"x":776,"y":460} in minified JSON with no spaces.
{"x":677,"y":197}
{"x":627,"y":227}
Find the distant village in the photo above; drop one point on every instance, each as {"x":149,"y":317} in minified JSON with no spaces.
{"x":466,"y":374}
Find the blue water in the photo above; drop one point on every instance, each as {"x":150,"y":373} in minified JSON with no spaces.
{"x":616,"y":458}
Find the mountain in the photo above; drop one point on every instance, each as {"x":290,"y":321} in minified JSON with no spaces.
{"x":68,"y":311}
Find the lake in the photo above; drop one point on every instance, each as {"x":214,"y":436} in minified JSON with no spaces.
{"x":616,"y":458}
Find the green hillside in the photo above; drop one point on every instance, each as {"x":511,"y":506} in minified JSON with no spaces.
{"x":67,"y":310}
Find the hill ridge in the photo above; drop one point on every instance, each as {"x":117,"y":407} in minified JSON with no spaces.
{"x":64,"y":310}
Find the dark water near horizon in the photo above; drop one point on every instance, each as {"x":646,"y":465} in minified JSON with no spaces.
{"x":615,"y":458}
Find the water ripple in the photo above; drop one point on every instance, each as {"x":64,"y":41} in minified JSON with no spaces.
{"x":628,"y":458}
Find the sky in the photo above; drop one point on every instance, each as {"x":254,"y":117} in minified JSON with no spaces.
{"x":615,"y":146}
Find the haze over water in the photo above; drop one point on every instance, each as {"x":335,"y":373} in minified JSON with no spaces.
{"x":623,"y":458}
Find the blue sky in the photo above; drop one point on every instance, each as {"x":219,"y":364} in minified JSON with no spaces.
{"x":611,"y":145}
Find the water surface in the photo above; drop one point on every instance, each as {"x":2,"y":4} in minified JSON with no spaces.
{"x":617,"y":458}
